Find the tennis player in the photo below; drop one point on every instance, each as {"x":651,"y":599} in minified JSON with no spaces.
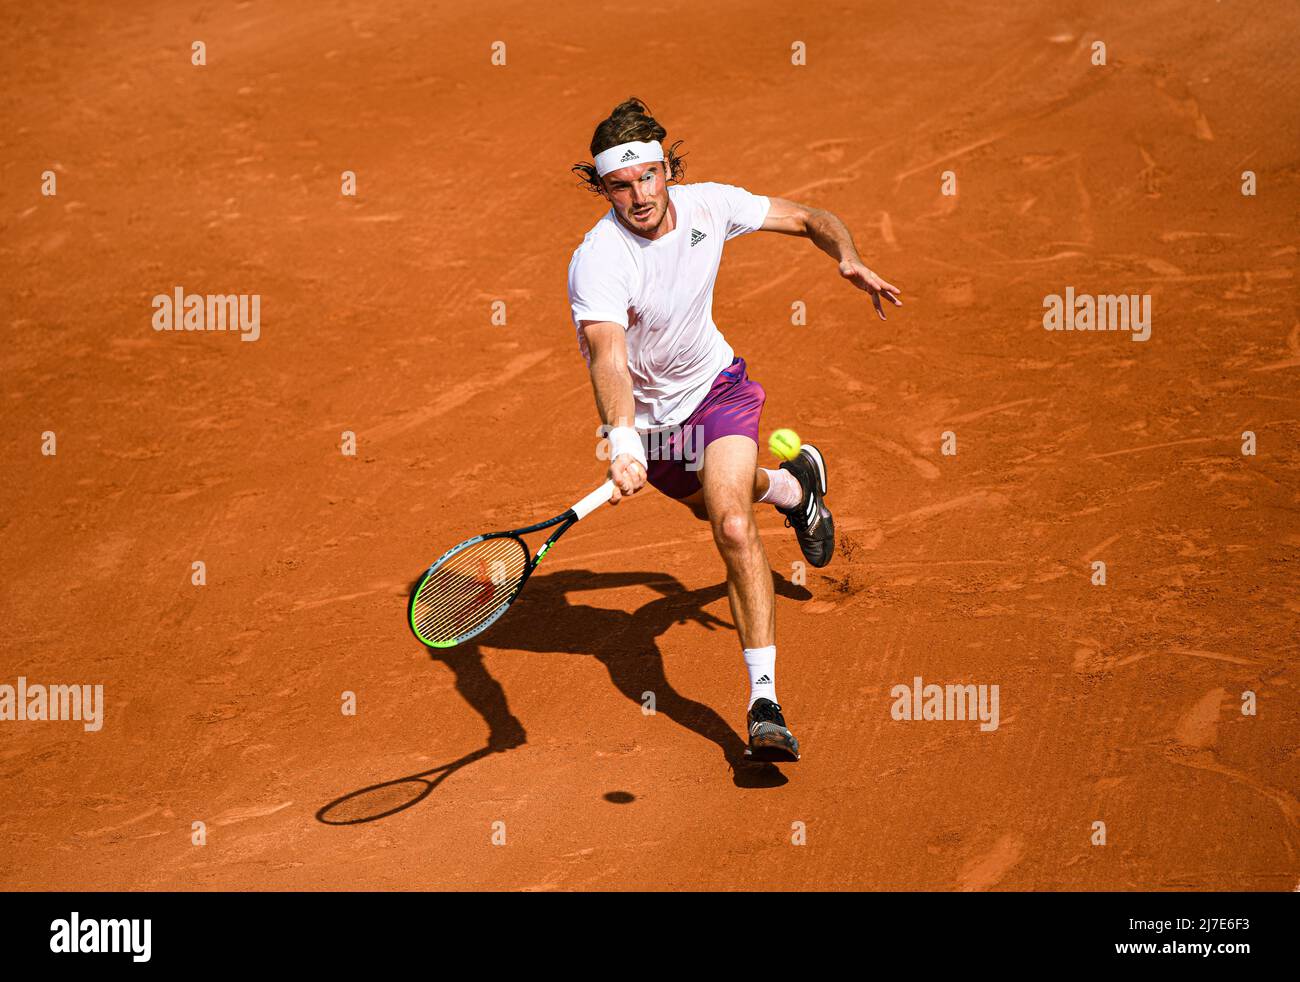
{"x":667,"y":381}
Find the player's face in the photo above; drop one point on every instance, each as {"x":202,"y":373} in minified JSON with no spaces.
{"x":639,"y":195}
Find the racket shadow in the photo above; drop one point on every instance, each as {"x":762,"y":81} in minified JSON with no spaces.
{"x":378,"y":801}
{"x":484,"y":695}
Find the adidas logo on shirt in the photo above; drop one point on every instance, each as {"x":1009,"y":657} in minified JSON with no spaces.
{"x":630,"y":155}
{"x":696,"y":236}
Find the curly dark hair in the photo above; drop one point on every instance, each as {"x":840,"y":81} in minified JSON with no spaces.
{"x":630,"y":120}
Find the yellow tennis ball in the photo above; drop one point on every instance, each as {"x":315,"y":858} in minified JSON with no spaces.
{"x":784,"y":444}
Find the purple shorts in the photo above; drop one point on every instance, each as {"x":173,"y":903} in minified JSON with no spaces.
{"x":732,"y":408}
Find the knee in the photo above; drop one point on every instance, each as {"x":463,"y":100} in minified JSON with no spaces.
{"x":734,"y":530}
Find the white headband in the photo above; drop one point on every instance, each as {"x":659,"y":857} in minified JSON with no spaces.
{"x":627,"y":154}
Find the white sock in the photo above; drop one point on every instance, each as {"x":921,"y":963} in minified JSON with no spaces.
{"x":761,"y":663}
{"x":783,"y":489}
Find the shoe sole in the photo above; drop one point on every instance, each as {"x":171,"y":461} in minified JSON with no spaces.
{"x":820,"y":462}
{"x":773,"y":746}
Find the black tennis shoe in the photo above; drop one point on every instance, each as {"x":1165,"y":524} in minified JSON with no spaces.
{"x":811,"y":519}
{"x":769,"y":738}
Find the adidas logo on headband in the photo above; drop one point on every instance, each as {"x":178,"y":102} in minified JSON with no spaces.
{"x":633,"y":151}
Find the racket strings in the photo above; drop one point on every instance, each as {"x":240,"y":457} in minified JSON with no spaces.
{"x":481,"y":580}
{"x":468,"y":589}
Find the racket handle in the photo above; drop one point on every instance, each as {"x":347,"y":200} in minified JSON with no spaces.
{"x":594,"y":500}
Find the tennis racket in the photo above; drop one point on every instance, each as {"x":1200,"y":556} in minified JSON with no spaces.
{"x":474,"y":583}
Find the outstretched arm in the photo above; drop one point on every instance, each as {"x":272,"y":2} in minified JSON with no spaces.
{"x":832,"y":237}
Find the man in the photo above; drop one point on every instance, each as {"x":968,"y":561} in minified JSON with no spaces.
{"x":641,"y":292}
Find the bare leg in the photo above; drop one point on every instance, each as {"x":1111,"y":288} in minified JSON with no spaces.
{"x":695,"y":502}
{"x":729,"y":482}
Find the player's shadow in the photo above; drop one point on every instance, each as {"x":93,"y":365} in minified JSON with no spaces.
{"x":545,"y":619}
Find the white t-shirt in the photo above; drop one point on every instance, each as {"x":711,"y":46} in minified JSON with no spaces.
{"x":661,"y":291}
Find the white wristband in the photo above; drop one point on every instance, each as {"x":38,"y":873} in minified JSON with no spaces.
{"x":626,"y":440}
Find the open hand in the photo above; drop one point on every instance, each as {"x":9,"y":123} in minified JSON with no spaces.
{"x":865,"y":279}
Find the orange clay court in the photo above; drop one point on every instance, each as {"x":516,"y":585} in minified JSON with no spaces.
{"x":1119,"y":703}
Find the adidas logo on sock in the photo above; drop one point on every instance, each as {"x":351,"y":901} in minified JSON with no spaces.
{"x":630,"y":155}
{"x":765,"y":680}
{"x":696,"y":236}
